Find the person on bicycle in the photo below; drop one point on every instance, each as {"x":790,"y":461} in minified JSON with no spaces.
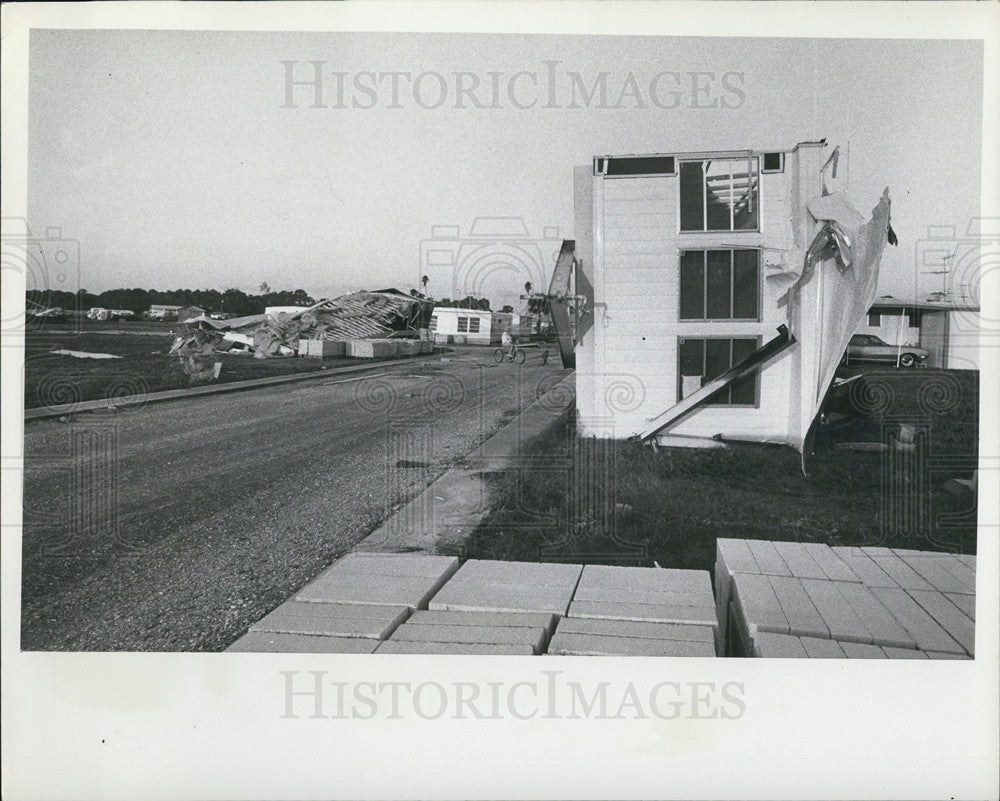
{"x":508,"y":342}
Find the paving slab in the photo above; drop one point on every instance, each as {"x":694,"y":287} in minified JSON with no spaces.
{"x":697,"y":615}
{"x":858,"y":650}
{"x":756,"y":605}
{"x":929,"y":636}
{"x":768,"y":559}
{"x":829,"y":562}
{"x":769,"y":645}
{"x":961,"y":571}
{"x":898,"y":570}
{"x":931,"y":568}
{"x":339,"y":620}
{"x":534,"y":638}
{"x":952,"y":619}
{"x":280,"y":643}
{"x":572,"y":644}
{"x":842,"y":621}
{"x":549,"y":574}
{"x":967,"y":603}
{"x":457,"y":648}
{"x":968,"y":559}
{"x":642,"y":596}
{"x":817,"y":648}
{"x":635,"y":629}
{"x":799,"y":560}
{"x":878,"y":620}
{"x":799,"y":611}
{"x":657,"y":579}
{"x":347,"y":588}
{"x":475,"y":596}
{"x":438,"y":617}
{"x":903,"y":653}
{"x":945,"y":655}
{"x":864,"y":567}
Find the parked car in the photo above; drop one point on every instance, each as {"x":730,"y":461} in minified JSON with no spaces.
{"x":869,"y":348}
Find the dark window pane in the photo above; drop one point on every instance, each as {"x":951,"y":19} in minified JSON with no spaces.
{"x":745,"y":283}
{"x":716,"y":357}
{"x":648,"y":165}
{"x":692,"y":356}
{"x":692,"y":285}
{"x":772,"y":161}
{"x":874,"y":319}
{"x":745,"y":389}
{"x":692,"y":188}
{"x":718,"y":283}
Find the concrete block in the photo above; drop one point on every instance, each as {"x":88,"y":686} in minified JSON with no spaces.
{"x":864,"y":567}
{"x":903,"y":653}
{"x":858,"y":650}
{"x":946,"y":655}
{"x":696,"y":615}
{"x":530,"y":574}
{"x":598,"y":645}
{"x":391,"y":564}
{"x":735,"y":556}
{"x":426,"y":346}
{"x":967,"y":603}
{"x":757,"y":607}
{"x":436,"y":617}
{"x":407,"y":347}
{"x":799,"y":560}
{"x":768,"y":559}
{"x":959,"y":626}
{"x":455,"y":648}
{"x":280,"y":643}
{"x":829,"y":562}
{"x":535,"y":638}
{"x":799,"y":611}
{"x":621,"y":595}
{"x":413,"y":592}
{"x":769,"y":645}
{"x":635,"y":629}
{"x":928,"y":635}
{"x":321,"y":348}
{"x":879,"y":621}
{"x":337,"y":620}
{"x":842,"y":621}
{"x":897,"y":569}
{"x":817,"y":648}
{"x":371,"y":348}
{"x":931,"y":567}
{"x":646,"y":578}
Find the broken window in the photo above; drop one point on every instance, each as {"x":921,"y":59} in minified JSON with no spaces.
{"x":719,"y":194}
{"x":703,"y":359}
{"x":719,"y":284}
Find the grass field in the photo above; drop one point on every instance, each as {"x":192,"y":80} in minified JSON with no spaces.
{"x":619,"y":502}
{"x":145,"y":365}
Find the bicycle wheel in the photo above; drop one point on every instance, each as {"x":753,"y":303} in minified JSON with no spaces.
{"x":519,"y":356}
{"x":498,"y":354}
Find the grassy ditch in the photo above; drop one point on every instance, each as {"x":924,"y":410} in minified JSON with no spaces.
{"x":619,"y":502}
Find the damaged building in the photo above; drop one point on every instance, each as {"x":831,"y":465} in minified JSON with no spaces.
{"x":715,"y":292}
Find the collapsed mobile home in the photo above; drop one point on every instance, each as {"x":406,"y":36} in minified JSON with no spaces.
{"x":712,"y":295}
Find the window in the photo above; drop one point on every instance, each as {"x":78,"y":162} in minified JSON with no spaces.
{"x":719,"y":195}
{"x":641,"y":165}
{"x":874,"y":319}
{"x":720,"y":284}
{"x":463,"y":325}
{"x":701,"y":360}
{"x":433,"y":324}
{"x":773,"y":162}
{"x":473,"y":325}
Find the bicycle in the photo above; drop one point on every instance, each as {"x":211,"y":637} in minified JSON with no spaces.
{"x":512,"y":354}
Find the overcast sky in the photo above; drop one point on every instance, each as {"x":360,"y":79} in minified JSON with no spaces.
{"x":169,"y":156}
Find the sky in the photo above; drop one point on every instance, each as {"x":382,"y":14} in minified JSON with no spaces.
{"x":176,"y":160}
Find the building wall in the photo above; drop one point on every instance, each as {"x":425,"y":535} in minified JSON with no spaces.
{"x":627,"y":364}
{"x":447,"y":325}
{"x":893,"y":328}
{"x":964,"y":340}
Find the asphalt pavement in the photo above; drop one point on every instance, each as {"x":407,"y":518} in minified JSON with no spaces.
{"x":173,"y":526}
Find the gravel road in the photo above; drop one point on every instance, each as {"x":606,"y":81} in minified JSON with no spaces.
{"x":175,"y":526}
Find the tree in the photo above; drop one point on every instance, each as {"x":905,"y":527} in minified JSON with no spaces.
{"x":424,"y":280}
{"x":507,"y":309}
{"x":527,"y":287}
{"x":264,"y":288}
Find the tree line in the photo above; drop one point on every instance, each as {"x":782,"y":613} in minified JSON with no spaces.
{"x":235,"y":302}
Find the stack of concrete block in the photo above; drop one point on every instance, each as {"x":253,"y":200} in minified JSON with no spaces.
{"x":485,"y":633}
{"x":426,"y":346}
{"x":322,"y":348}
{"x":494,"y":586}
{"x":780,"y":598}
{"x":352,"y":606}
{"x":371,"y":348}
{"x":407,"y":347}
{"x":639,"y":611}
